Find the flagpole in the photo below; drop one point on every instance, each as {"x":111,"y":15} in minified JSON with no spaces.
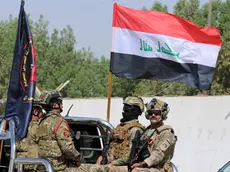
{"x":3,"y":129}
{"x":210,"y":13}
{"x":109,"y":94}
{"x":110,"y":78}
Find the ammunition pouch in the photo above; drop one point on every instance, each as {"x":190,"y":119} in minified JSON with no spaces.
{"x":120,"y":132}
{"x":118,"y":135}
{"x":120,"y":146}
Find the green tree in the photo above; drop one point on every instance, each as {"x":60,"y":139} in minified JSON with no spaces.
{"x":7,"y":42}
{"x":158,"y":6}
{"x":187,"y":9}
{"x":221,"y":18}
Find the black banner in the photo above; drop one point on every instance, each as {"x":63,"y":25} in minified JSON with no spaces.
{"x":23,"y":78}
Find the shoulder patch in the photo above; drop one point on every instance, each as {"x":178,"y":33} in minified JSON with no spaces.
{"x":66,"y":133}
{"x":165,"y":145}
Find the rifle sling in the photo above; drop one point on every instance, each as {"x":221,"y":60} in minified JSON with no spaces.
{"x":145,"y":141}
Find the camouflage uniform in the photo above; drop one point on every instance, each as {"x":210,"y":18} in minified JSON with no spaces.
{"x":118,"y":148}
{"x":161,"y":145}
{"x":123,"y":135}
{"x":55,"y":143}
{"x":27,"y":147}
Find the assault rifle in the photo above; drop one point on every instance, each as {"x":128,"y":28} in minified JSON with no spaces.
{"x":134,"y":150}
{"x":139,"y":150}
{"x":105,"y":150}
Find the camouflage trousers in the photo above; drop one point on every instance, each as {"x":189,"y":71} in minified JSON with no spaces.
{"x":125,"y":169}
{"x":165,"y":168}
{"x":99,"y":168}
{"x":81,"y":168}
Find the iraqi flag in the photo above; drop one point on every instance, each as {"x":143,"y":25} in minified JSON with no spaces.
{"x":161,"y":46}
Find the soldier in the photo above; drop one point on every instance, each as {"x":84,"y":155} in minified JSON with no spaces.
{"x":160,"y":142}
{"x":55,"y":142}
{"x":123,"y":133}
{"x":27,"y":147}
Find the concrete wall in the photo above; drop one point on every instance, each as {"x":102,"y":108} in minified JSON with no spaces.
{"x":202,"y":125}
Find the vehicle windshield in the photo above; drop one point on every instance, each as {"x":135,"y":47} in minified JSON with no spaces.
{"x":225,"y":168}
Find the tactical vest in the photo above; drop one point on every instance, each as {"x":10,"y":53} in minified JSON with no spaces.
{"x":121,"y":145}
{"x":166,"y":166}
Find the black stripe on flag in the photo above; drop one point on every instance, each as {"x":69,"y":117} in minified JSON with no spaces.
{"x":136,"y":67}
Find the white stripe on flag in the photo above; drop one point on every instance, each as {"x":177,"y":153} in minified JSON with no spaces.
{"x":165,"y":47}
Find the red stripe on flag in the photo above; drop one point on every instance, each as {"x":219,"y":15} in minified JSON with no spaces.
{"x":165,"y":24}
{"x":34,"y":70}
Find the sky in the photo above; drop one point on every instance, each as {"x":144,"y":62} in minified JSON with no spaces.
{"x":91,"y":20}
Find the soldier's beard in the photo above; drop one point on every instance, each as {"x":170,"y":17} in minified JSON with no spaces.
{"x":155,"y":121}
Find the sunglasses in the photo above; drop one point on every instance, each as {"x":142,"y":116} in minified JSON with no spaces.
{"x":130,"y":108}
{"x":155,"y":112}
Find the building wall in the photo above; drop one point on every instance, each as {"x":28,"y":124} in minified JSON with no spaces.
{"x":202,"y":125}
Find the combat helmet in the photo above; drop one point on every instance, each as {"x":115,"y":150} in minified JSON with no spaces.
{"x":47,"y":96}
{"x":155,"y":106}
{"x":37,"y":103}
{"x":37,"y":106}
{"x":134,"y":101}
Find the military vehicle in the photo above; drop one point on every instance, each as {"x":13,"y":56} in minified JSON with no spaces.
{"x":89,"y":138}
